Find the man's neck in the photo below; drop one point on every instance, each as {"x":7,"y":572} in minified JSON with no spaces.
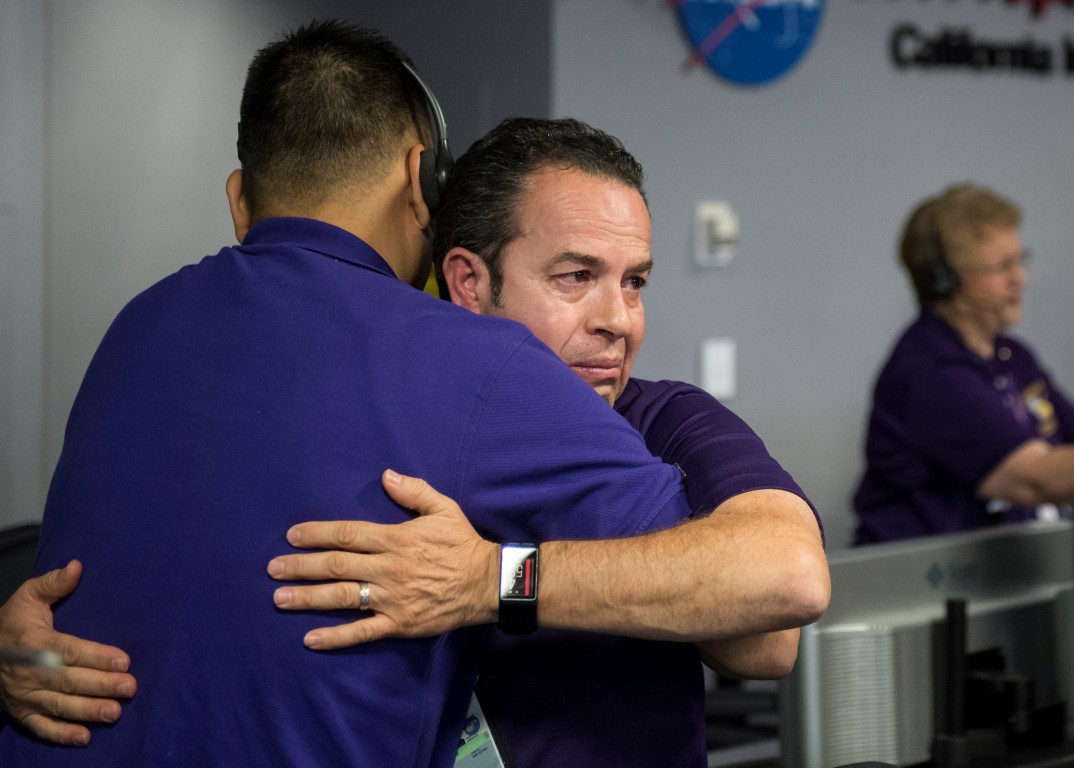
{"x":379,"y":221}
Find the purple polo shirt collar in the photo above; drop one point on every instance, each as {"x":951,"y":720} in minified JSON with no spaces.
{"x":317,"y":237}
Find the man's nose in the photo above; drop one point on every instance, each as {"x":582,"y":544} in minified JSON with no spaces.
{"x":611,"y":315}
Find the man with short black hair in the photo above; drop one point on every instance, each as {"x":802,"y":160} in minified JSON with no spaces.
{"x":277,"y":380}
{"x":586,"y":268}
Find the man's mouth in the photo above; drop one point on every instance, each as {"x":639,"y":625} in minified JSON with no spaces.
{"x":599,"y":370}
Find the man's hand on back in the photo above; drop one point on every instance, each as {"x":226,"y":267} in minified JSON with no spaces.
{"x":51,"y":703}
{"x":426,"y":576}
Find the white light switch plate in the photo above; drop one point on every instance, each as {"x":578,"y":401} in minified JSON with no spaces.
{"x":715,"y":234}
{"x":718,"y":367}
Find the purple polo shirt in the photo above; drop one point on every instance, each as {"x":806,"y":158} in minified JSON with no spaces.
{"x":943,"y":418}
{"x":273,"y":383}
{"x":561,"y":698}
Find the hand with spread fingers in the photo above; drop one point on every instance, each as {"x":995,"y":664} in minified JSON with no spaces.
{"x":420,"y":578}
{"x":51,"y":703}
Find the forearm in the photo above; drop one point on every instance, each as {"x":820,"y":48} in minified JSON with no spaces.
{"x":1055,"y":481}
{"x":753,"y":566}
{"x":767,"y":656}
{"x":1034,"y":473}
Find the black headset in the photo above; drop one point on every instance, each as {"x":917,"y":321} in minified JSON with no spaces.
{"x":436,"y":162}
{"x":943,"y":280}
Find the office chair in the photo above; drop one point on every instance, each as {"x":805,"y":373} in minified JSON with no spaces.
{"x":18,"y":548}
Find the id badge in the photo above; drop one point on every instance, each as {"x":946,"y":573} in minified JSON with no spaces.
{"x":477,"y":748}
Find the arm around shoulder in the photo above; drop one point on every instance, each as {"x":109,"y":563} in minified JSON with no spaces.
{"x":755,"y":565}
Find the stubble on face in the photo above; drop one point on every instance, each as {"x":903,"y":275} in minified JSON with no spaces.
{"x":574,"y":274}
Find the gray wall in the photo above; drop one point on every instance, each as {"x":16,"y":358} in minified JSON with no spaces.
{"x":821,"y":167}
{"x":139,"y":99}
{"x":117,"y":131}
{"x":22,"y":157}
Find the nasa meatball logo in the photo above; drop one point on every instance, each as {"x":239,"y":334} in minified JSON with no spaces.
{"x":471,"y":727}
{"x":749,"y":42}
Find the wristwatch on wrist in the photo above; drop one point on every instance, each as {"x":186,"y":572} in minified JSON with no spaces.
{"x":518,"y":588}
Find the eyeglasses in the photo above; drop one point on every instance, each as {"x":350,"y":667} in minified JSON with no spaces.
{"x":1006,"y":266}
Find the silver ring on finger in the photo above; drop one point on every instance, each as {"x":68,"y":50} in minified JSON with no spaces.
{"x":363,"y":595}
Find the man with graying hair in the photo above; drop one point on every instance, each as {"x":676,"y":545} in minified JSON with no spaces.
{"x":272,"y":383}
{"x":545,"y":223}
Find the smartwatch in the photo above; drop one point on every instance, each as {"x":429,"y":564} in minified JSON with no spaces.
{"x":518,"y":588}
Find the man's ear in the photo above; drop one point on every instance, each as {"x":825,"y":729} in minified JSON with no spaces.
{"x":467,"y":279}
{"x":240,"y":210}
{"x":415,"y":199}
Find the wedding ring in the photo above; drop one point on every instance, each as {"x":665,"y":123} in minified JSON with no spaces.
{"x":363,"y":595}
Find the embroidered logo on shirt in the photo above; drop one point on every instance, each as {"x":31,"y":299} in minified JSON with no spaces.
{"x":1035,"y":397}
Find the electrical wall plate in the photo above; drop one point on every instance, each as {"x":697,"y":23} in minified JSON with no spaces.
{"x":715,"y":234}
{"x":718,"y":370}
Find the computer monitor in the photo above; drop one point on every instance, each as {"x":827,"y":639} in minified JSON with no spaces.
{"x":866,"y":683}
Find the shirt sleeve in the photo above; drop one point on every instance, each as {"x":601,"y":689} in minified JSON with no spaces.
{"x":547,"y":458}
{"x":719,"y":454}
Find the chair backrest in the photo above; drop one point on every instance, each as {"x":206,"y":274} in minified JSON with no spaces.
{"x":18,"y":549}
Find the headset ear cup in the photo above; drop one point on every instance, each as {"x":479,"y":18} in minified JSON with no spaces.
{"x":945,"y":282}
{"x":445,"y":164}
{"x":430,"y":188}
{"x":436,"y":164}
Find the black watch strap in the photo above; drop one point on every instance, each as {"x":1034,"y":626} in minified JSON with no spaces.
{"x":518,"y":588}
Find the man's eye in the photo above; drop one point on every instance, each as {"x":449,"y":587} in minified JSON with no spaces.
{"x":636,"y":283}
{"x":575,"y":277}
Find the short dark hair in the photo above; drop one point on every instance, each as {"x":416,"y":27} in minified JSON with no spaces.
{"x":324,"y":106}
{"x":481,"y":203}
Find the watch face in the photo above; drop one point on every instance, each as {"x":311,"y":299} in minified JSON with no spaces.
{"x":518,"y":572}
{"x":750,"y":42}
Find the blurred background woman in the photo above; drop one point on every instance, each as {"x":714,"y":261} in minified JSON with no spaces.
{"x":966,"y":430}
